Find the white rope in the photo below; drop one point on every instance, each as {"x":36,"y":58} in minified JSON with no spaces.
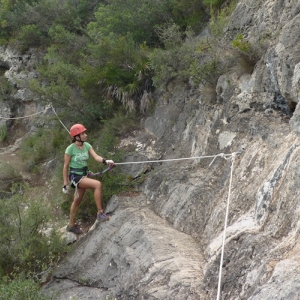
{"x":221,"y":155}
{"x":59,"y":118}
{"x":225,"y":227}
{"x":251,"y":7}
{"x":225,"y":156}
{"x":175,"y":159}
{"x":40,"y":112}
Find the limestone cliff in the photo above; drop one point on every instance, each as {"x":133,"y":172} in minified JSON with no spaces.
{"x":166,"y":241}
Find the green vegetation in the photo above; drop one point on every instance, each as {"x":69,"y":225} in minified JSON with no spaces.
{"x":20,"y":288}
{"x":102,"y":61}
{"x":5,"y":87}
{"x":173,"y":61}
{"x":246,"y":53}
{"x":139,"y":18}
{"x":27,"y":251}
{"x":107,"y":56}
{"x":8,"y":177}
{"x":41,"y":147}
{"x":3,"y":132}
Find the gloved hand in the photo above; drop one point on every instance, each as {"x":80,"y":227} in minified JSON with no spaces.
{"x":110,"y":162}
{"x":65,"y":189}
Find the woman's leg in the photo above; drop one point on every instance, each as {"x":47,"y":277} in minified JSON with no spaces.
{"x":89,"y":183}
{"x":75,"y":206}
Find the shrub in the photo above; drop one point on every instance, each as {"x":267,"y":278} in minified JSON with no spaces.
{"x":116,"y":74}
{"x":219,"y":19}
{"x":66,"y":46}
{"x":21,"y":288}
{"x":24,"y":247}
{"x":9,"y":176}
{"x":174,"y":61}
{"x":3,"y":132}
{"x":247,"y":54}
{"x":42,"y":145}
{"x":5,"y":87}
{"x":29,"y":36}
{"x":141,"y":17}
{"x":206,"y":73}
{"x":187,"y":13}
{"x":214,"y":3}
{"x":213,"y":53}
{"x":242,"y":45}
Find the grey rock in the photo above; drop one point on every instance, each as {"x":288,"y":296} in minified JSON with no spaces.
{"x":135,"y":255}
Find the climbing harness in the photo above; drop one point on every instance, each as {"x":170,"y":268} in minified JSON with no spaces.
{"x":74,"y":181}
{"x":225,"y":226}
{"x":76,"y":178}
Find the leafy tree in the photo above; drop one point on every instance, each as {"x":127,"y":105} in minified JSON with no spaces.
{"x":174,"y":60}
{"x":121,"y":70}
{"x":188,"y":14}
{"x":43,"y":13}
{"x":29,"y":36}
{"x":139,"y":18}
{"x":214,"y":3}
{"x":132,"y":16}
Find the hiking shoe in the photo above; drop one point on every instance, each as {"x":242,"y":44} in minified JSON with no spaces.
{"x":74,"y":229}
{"x":102,"y":217}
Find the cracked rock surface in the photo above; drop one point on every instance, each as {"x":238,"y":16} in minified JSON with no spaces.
{"x":134,"y":255}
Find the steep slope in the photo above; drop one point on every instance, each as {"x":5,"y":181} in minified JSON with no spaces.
{"x":136,"y":255}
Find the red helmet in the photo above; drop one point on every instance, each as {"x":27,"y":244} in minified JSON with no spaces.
{"x":77,"y":129}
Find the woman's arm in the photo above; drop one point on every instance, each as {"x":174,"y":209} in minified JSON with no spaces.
{"x":96,"y":157}
{"x":67,"y":159}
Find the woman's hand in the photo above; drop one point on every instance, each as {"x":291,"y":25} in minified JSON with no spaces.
{"x":65,"y":189}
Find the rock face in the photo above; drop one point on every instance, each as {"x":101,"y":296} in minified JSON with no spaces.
{"x":136,"y":255}
{"x":166,"y":241}
{"x":19,"y":70}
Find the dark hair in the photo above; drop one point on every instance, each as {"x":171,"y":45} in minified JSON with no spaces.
{"x":74,"y":138}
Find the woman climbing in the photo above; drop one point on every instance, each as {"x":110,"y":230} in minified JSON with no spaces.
{"x":75,"y":170}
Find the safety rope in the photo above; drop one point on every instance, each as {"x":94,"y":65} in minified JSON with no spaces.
{"x":28,"y":116}
{"x":225,"y":156}
{"x":40,"y":112}
{"x":251,"y":7}
{"x":176,"y":159}
{"x":225,"y":226}
{"x":59,"y":118}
